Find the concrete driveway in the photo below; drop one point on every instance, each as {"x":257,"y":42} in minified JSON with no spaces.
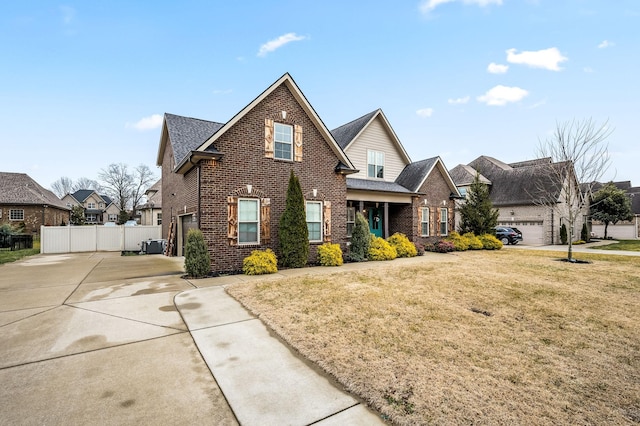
{"x":96,"y":338}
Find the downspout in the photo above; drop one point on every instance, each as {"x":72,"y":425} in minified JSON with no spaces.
{"x":199,"y":199}
{"x":552,"y":228}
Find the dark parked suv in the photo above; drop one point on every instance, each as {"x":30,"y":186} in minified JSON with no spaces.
{"x":508,"y":235}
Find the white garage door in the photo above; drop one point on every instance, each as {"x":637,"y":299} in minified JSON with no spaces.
{"x":532,"y":232}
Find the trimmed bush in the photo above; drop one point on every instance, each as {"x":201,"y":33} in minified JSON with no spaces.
{"x":293,"y":232}
{"x":563,"y":234}
{"x":330,"y":254}
{"x":260,"y":262}
{"x":197,"y":262}
{"x":380,"y":249}
{"x":404,"y":247}
{"x":474,"y":242}
{"x":490,"y":242}
{"x":584,"y":233}
{"x":359,"y":239}
{"x":459,"y":242}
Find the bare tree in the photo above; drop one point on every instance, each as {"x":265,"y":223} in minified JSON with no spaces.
{"x":62,"y":186}
{"x":579,"y":156}
{"x":143,"y":178}
{"x":86,"y":183}
{"x":118,"y":184}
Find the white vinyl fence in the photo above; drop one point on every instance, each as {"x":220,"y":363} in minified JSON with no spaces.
{"x":69,"y":239}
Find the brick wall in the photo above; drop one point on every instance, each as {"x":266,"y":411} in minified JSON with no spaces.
{"x":435,"y":190}
{"x":33,"y":215}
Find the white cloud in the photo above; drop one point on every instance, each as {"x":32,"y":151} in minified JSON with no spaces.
{"x":277,"y":43}
{"x":147,"y":123}
{"x":425,"y":112}
{"x":494,"y":68}
{"x":605,"y":44}
{"x":459,"y":101}
{"x":428,"y":5}
{"x":538,"y":104}
{"x":547,"y":58}
{"x":502,"y":95}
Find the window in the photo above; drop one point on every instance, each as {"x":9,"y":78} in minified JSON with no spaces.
{"x":463,"y":192}
{"x":351,"y":220}
{"x":248,"y":221}
{"x":375,"y":164}
{"x":112,"y":218}
{"x":283,"y":138}
{"x":424,"y":222}
{"x":16,"y":214}
{"x":443,"y":222}
{"x":159,"y":218}
{"x":69,"y":205}
{"x":314,"y":220}
{"x":91,"y":205}
{"x":91,"y":218}
{"x":101,"y":205}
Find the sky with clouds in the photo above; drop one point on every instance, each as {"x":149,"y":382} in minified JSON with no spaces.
{"x":86,"y":83}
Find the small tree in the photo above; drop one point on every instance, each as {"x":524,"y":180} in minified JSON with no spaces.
{"x":360,"y":239}
{"x":123,"y":216}
{"x":477,"y":214}
{"x":197,"y":262}
{"x":77,"y":215}
{"x":563,"y":234}
{"x":610,"y":205}
{"x":293,"y":231}
{"x":584,"y":233}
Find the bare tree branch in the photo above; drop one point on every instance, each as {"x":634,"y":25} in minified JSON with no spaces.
{"x":118,"y":184}
{"x":62,"y":186}
{"x":143,"y":178}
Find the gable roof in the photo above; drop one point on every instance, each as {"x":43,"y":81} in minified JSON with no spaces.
{"x":287,"y":80}
{"x":81,"y":196}
{"x":21,"y":189}
{"x":346,"y":134}
{"x":414,"y":175}
{"x":464,"y":175}
{"x":186,"y":135}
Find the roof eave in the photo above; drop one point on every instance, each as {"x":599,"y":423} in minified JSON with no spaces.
{"x":194,"y":158}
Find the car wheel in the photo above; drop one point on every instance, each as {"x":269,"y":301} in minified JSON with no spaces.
{"x":505,"y":240}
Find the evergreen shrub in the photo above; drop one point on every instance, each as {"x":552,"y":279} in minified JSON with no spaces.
{"x":293,"y":232}
{"x":380,"y":249}
{"x":474,"y":241}
{"x":490,"y":242}
{"x":404,"y":247}
{"x":260,"y":262}
{"x":563,"y":234}
{"x":460,"y":243}
{"x":360,"y":239}
{"x":330,"y":254}
{"x":197,"y":262}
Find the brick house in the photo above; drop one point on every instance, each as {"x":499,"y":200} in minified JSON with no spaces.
{"x":24,"y":201}
{"x":230,"y":179}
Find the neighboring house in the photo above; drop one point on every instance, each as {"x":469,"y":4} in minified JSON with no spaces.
{"x":516,"y":190}
{"x":394,"y":193}
{"x":230,"y":179}
{"x":24,"y":201}
{"x":98,"y":209}
{"x":151,"y":210}
{"x":626,"y":230}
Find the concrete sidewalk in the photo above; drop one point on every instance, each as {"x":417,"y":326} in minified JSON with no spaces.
{"x":580,"y":248}
{"x":99,"y":338}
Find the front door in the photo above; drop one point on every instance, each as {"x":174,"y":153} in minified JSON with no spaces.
{"x":375,"y":221}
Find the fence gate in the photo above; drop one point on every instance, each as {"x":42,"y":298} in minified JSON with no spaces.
{"x":72,"y":239}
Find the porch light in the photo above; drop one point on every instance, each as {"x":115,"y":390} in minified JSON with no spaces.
{"x":249,"y":187}
{"x":425,"y":202}
{"x":284,"y":115}
{"x":315,"y":192}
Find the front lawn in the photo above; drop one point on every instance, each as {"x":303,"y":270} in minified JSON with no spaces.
{"x":508,"y":337}
{"x":628,"y":245}
{"x":7,"y":256}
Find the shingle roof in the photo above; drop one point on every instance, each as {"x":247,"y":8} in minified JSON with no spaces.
{"x":82,"y":194}
{"x":19,"y":188}
{"x":376,"y":185}
{"x":464,"y":175}
{"x":414,"y":174}
{"x":634,"y":194}
{"x":154,"y":200}
{"x":345,"y":133}
{"x":187,"y":134}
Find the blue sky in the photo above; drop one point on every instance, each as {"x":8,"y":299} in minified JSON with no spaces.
{"x":84,"y":84}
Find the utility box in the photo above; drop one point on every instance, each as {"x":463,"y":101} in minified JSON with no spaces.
{"x":153,"y":246}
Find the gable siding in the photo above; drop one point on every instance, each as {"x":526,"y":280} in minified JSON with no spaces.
{"x":376,"y":138}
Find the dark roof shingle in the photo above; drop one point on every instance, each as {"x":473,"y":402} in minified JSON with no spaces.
{"x":414,"y":174}
{"x":187,"y":134}
{"x":20,"y":188}
{"x":345,"y":133}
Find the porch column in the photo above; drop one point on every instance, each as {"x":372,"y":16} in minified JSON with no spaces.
{"x":386,"y":220}
{"x":361,"y":206}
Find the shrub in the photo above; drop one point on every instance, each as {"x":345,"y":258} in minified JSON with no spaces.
{"x":380,"y":249}
{"x":330,"y":254}
{"x":563,"y":234}
{"x":197,"y":263}
{"x":404,"y":247}
{"x":359,"y":239}
{"x":459,"y":242}
{"x":260,"y":262}
{"x":444,"y":246}
{"x":420,"y":249}
{"x":293,"y":232}
{"x":490,"y":242}
{"x":579,"y":242}
{"x":584,"y":233}
{"x":474,"y":242}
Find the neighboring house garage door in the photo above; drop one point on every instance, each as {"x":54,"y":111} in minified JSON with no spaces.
{"x":532,"y":232}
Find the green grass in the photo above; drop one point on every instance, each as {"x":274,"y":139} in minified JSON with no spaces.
{"x":7,"y":256}
{"x":628,"y":245}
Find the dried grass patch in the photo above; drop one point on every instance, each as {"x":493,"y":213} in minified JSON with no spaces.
{"x":509,"y":337}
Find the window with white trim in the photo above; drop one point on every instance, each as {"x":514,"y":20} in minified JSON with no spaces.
{"x":91,"y":218}
{"x":314,"y":220}
{"x":112,"y":218}
{"x":159,"y":218}
{"x":443,"y":221}
{"x":283,"y":141}
{"x":424,"y":222}
{"x":248,"y":221}
{"x":375,"y":164}
{"x":17,"y":214}
{"x":91,"y":205}
{"x":351,"y":220}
